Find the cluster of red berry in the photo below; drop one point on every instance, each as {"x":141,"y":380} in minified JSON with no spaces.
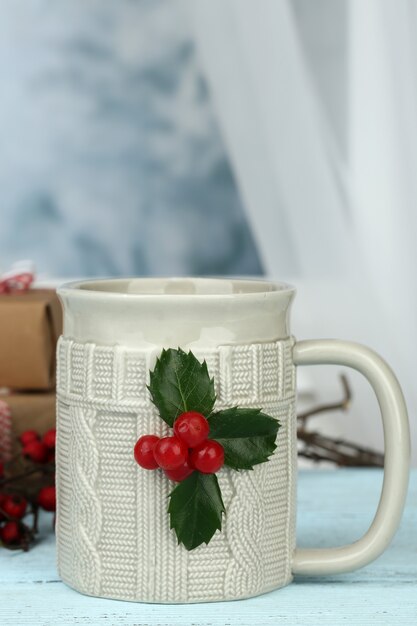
{"x":189,"y":449}
{"x":15,"y":506}
{"x":37,"y":449}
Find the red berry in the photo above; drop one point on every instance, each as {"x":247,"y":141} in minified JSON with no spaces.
{"x":14,"y":506}
{"x":10,"y":532}
{"x":192,"y":428}
{"x":208,"y":457}
{"x":36,"y":451}
{"x":28,"y":436}
{"x":180,"y":473}
{"x":49,"y":438}
{"x":170,"y":453}
{"x":47,"y":498}
{"x":143,"y":451}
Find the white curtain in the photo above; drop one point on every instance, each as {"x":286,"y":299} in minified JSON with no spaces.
{"x":344,"y":231}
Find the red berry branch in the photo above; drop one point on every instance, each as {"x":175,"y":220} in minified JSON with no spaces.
{"x":27,"y":483}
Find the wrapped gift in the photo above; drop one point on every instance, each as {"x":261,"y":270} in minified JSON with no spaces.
{"x":26,"y":411}
{"x":30,"y":324}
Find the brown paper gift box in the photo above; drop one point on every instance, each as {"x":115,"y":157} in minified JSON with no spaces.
{"x":30,"y":411}
{"x":30,"y":324}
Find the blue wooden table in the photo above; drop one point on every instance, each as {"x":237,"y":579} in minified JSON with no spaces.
{"x":334,"y":507}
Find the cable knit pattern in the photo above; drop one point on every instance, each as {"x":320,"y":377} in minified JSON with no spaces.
{"x":86,"y":507}
{"x":245,"y":524}
{"x":64,"y":488}
{"x":113,"y":535}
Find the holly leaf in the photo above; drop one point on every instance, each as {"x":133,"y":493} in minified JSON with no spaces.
{"x":196,"y":509}
{"x":247,"y":436}
{"x":181,"y":383}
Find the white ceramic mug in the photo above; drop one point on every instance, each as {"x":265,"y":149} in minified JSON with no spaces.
{"x":113,"y":533}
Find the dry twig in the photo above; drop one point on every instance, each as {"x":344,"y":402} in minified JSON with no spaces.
{"x":318,"y":447}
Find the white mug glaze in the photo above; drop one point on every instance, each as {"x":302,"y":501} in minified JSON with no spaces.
{"x":113,"y":533}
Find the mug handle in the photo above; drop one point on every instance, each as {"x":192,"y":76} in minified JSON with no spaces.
{"x":397,"y":456}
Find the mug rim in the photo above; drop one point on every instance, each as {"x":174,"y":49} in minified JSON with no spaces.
{"x":195,"y":287}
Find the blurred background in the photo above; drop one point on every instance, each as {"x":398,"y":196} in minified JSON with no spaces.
{"x":224,"y":137}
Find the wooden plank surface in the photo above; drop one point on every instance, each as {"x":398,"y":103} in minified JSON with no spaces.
{"x":334,"y":507}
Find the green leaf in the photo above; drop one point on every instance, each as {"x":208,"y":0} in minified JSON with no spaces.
{"x":196,"y":509}
{"x":247,"y":436}
{"x":181,"y":383}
